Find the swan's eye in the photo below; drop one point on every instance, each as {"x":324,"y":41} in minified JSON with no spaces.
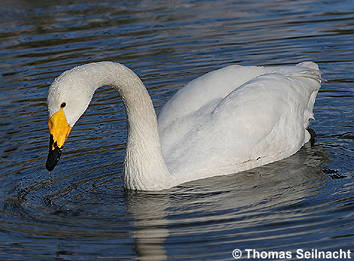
{"x":62,"y":105}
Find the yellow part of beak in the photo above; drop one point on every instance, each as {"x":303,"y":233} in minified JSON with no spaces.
{"x":59,"y":128}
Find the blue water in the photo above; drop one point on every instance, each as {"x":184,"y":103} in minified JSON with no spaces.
{"x":80,"y":211}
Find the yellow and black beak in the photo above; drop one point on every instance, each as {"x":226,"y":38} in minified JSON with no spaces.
{"x":59,"y":130}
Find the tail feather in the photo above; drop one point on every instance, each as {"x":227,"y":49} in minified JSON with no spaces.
{"x":310,"y":65}
{"x":309,"y":70}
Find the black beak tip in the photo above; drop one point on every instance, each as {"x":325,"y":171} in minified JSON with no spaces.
{"x":53,"y":158}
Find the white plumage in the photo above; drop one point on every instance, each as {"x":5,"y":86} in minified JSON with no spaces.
{"x":229,"y":120}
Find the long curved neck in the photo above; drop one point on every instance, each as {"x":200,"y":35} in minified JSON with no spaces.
{"x":145,"y":167}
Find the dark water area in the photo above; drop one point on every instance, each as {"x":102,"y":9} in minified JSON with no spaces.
{"x":80,"y":211}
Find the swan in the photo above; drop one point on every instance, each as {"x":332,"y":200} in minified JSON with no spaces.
{"x":226,"y":121}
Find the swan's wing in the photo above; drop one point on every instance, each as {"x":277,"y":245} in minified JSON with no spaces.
{"x":269,"y":96}
{"x":217,"y":84}
{"x":265,"y":117}
{"x":204,"y":90}
{"x":266,"y":103}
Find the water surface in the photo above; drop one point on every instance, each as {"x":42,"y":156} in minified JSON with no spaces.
{"x":80,"y":211}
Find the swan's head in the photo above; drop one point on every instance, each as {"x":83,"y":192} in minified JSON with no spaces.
{"x":68,"y":98}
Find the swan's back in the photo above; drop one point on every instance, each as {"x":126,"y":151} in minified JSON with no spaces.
{"x":210,"y":87}
{"x":237,"y":118}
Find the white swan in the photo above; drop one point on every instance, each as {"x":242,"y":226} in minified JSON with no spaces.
{"x":226,"y":121}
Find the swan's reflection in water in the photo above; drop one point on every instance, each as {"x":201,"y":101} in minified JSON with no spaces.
{"x":226,"y":204}
{"x":151,"y":222}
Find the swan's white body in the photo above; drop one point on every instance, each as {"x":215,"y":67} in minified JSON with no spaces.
{"x":227,"y":121}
